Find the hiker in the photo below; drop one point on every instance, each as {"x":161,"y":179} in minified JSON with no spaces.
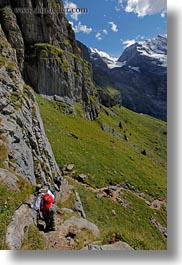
{"x":45,"y":206}
{"x":58,"y":182}
{"x":48,"y":210}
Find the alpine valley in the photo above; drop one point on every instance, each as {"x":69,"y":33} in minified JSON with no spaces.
{"x":72,"y":111}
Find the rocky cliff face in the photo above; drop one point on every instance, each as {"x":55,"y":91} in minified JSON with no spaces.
{"x":47,"y":52}
{"x":27,"y":151}
{"x":140,"y":74}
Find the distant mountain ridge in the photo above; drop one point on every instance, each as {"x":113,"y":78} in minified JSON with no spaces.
{"x":140,"y":74}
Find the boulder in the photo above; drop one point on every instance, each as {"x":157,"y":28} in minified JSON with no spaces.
{"x":82,"y":178}
{"x":81,"y":223}
{"x":70,"y":167}
{"x":23,"y":217}
{"x":116,"y":246}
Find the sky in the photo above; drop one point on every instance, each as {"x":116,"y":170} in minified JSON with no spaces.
{"x":112,"y":25}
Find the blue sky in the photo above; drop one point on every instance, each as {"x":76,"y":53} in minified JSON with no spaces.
{"x":111,"y":25}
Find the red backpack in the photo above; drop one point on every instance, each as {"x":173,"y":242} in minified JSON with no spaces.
{"x":47,"y":201}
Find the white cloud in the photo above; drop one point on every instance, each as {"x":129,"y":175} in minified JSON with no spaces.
{"x":127,"y":43}
{"x":101,"y":34}
{"x":105,"y":31}
{"x":146,"y":7}
{"x":143,"y":7}
{"x":98,"y":36}
{"x":119,"y":5}
{"x":81,"y":28}
{"x":68,"y":4}
{"x":113,"y":26}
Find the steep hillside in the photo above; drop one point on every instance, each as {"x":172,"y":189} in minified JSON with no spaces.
{"x":120,"y":169}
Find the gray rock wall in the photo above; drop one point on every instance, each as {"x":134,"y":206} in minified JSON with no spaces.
{"x":29,"y":153}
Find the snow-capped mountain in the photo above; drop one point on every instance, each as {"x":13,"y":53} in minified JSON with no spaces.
{"x":140,"y":74}
{"x":154,"y":49}
{"x":111,"y":62}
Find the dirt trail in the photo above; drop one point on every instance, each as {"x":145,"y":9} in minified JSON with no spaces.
{"x":114,"y":194}
{"x":58,"y":240}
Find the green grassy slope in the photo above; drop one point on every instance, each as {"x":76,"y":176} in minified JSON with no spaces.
{"x":9,"y":201}
{"x":132,"y":148}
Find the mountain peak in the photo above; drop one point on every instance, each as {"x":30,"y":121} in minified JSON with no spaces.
{"x":154,"y":48}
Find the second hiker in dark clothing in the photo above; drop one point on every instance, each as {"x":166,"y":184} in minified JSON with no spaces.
{"x":58,"y":182}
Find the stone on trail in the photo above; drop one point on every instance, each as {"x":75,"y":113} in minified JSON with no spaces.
{"x":82,"y":178}
{"x":83,"y":223}
{"x":70,"y":167}
{"x":116,"y":246}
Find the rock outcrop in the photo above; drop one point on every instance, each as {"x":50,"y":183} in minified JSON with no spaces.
{"x":16,"y":232}
{"x":79,"y":207}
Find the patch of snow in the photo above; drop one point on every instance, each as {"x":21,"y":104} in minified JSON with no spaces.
{"x":155,"y":48}
{"x":101,"y":54}
{"x":111,"y":62}
{"x":115,"y":64}
{"x":137,"y":69}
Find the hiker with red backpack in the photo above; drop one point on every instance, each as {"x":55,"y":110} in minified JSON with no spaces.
{"x":48,"y":210}
{"x":45,"y":206}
